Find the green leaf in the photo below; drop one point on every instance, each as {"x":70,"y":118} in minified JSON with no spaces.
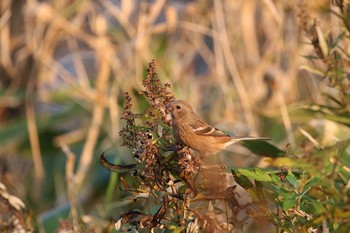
{"x":345,"y":173}
{"x":256,"y":174}
{"x":330,"y":113}
{"x":291,"y":162}
{"x":308,"y":112}
{"x":288,"y":201}
{"x":263,"y":148}
{"x":242,"y":180}
{"x":345,"y":156}
{"x":275,"y":179}
{"x":291,"y":178}
{"x":248,"y":173}
{"x":178,"y":229}
{"x":319,"y":208}
{"x":335,"y":226}
{"x":310,"y":183}
{"x":343,"y":119}
{"x":277,"y":189}
{"x":155,"y":208}
{"x":262,"y":175}
{"x":335,"y":41}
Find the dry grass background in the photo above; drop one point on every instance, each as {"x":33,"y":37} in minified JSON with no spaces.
{"x":65,"y":64}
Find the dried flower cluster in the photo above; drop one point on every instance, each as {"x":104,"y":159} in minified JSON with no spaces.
{"x":12,"y":211}
{"x":147,"y":139}
{"x":157,"y":94}
{"x":187,"y":164}
{"x":162,"y":168}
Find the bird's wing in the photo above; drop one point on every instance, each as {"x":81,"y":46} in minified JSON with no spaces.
{"x":203,"y":129}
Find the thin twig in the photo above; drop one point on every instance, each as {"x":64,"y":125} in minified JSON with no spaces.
{"x":71,"y":185}
{"x":98,"y":111}
{"x":34,"y":141}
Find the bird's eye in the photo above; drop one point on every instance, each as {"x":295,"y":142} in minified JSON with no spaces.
{"x":178,"y":107}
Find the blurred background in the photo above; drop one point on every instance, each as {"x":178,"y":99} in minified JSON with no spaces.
{"x":64,"y":65}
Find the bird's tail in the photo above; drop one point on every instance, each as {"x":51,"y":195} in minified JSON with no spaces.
{"x":238,"y":139}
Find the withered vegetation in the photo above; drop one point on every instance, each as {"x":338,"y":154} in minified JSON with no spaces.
{"x":170,"y":175}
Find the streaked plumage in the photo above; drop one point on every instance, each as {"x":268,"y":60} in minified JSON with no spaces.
{"x":190,"y":130}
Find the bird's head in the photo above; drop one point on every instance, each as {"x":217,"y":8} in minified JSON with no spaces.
{"x":180,"y":110}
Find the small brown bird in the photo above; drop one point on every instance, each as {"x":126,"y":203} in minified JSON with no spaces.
{"x":191,"y":131}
